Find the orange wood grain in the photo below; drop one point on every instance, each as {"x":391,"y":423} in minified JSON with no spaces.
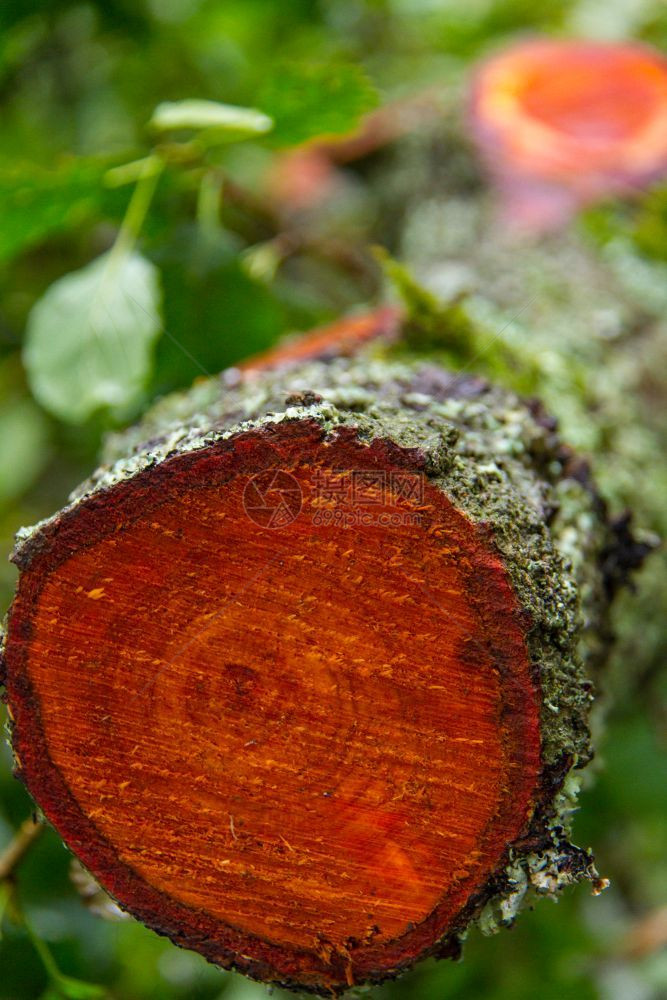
{"x":302,"y":751}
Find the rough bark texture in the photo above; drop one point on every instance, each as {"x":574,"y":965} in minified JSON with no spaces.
{"x":313,"y":726}
{"x":577,"y":318}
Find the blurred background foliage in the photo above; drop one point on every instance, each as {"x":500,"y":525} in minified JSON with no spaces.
{"x":220,"y":263}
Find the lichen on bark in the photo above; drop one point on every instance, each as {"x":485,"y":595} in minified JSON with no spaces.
{"x":576,"y":318}
{"x":500,"y":461}
{"x":496,"y":455}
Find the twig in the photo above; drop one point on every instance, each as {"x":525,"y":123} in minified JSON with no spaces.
{"x":13,"y":854}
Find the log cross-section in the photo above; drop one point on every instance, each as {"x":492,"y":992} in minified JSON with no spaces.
{"x":297,"y":683}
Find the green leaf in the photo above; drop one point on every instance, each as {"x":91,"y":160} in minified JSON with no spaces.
{"x":230,"y":123}
{"x":89,"y":338}
{"x":35,"y":202}
{"x":23,"y":447}
{"x":315,"y":99}
{"x":24,"y":433}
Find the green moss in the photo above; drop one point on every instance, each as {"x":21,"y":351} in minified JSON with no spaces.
{"x":432,"y":327}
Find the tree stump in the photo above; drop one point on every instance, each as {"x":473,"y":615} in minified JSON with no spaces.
{"x":301,"y":673}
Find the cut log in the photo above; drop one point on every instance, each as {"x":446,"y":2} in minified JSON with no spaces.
{"x":299,"y":673}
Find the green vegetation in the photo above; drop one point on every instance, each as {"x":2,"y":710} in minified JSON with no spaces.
{"x":143,"y":245}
